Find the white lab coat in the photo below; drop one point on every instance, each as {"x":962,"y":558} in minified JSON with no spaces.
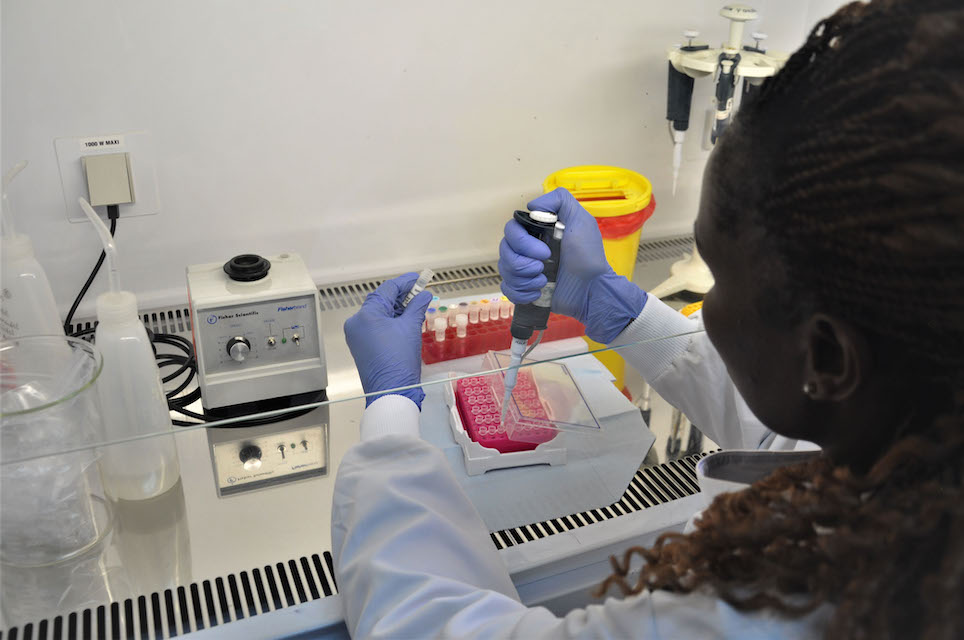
{"x":413,"y":558}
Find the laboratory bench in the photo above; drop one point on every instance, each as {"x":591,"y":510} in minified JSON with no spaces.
{"x":221,"y":556}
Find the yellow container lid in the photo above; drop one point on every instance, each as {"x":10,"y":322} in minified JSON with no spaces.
{"x":604,"y":191}
{"x":690,"y":309}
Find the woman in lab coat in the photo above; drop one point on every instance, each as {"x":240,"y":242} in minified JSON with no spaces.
{"x":832,"y":217}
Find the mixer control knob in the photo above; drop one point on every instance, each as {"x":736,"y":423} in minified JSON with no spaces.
{"x":239,"y":348}
{"x":250,"y":456}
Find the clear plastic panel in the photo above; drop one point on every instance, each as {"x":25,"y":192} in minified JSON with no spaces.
{"x":546,"y":397}
{"x":185,"y":527}
{"x":27,"y":453}
{"x":51,"y":495}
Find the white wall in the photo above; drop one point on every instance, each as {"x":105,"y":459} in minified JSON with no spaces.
{"x":371,"y":136}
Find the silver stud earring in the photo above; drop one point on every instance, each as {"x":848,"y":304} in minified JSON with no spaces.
{"x":810,"y":388}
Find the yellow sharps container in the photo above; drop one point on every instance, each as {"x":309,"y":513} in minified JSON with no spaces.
{"x":621,"y":201}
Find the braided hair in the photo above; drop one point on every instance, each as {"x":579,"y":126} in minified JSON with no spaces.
{"x":857,"y":153}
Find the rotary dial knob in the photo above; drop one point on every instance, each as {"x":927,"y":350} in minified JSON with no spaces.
{"x":239,"y":348}
{"x":250,"y":456}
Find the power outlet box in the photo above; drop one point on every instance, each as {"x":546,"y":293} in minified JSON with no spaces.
{"x":142,"y":162}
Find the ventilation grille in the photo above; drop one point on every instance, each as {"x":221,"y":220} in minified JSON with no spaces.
{"x":207,"y":604}
{"x":650,"y":486}
{"x":664,"y":249}
{"x":170,"y":320}
{"x":453,"y":281}
{"x":446,"y":281}
{"x":176,"y":612}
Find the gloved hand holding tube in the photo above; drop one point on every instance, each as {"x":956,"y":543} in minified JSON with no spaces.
{"x":586,"y":287}
{"x":385,"y":339}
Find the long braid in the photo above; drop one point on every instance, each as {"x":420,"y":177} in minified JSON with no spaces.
{"x":857,"y":150}
{"x":863,"y":154}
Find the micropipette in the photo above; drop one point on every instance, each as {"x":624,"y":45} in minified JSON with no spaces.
{"x":679,"y":99}
{"x":533,"y":316}
{"x":423,"y":279}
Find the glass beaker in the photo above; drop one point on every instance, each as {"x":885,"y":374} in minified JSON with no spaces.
{"x":52,"y":500}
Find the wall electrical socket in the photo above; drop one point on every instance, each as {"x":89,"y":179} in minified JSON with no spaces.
{"x":141,"y":160}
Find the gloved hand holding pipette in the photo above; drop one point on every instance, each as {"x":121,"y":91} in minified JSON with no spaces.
{"x":586,"y":287}
{"x":385,"y":340}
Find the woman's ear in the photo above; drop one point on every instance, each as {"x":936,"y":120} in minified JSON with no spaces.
{"x":838,"y":359}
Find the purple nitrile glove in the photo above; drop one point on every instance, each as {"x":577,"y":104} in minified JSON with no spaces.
{"x":587,"y":289}
{"x":386,"y":341}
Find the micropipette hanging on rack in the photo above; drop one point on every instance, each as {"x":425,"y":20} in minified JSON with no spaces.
{"x":729,"y":63}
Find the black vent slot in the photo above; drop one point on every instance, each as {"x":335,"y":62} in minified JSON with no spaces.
{"x":664,"y":249}
{"x":199,"y":605}
{"x":650,"y":486}
{"x":173,"y":320}
{"x":349,"y":295}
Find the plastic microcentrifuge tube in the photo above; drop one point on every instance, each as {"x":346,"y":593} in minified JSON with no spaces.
{"x":440,"y":326}
{"x":474,"y":312}
{"x":504,"y":307}
{"x":430,"y":318}
{"x":452,"y":312}
{"x":423,"y":279}
{"x":461,"y":322}
{"x":484,"y":311}
{"x":494,"y":309}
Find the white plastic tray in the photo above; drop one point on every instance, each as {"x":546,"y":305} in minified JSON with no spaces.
{"x":479,"y":459}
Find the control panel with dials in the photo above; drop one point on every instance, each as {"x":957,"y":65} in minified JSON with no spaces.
{"x":256,"y":324}
{"x":252,"y":335}
{"x":252,"y":458}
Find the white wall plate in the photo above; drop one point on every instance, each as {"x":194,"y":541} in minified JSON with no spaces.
{"x":138,"y":144}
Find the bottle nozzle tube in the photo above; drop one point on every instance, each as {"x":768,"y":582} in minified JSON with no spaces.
{"x":6,"y":219}
{"x":110,"y":249}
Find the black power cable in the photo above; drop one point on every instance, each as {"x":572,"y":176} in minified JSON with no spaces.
{"x":185,"y":361}
{"x":187,"y":366}
{"x":113,"y":213}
